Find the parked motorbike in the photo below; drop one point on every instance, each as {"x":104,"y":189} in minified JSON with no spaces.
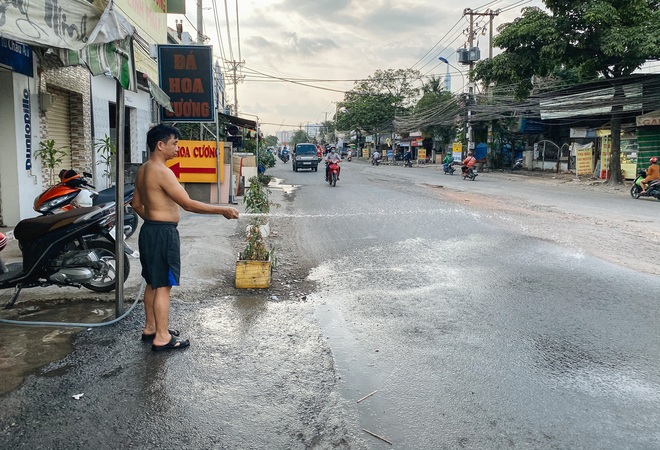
{"x":518,"y":164}
{"x":448,"y":169}
{"x":470,"y":173}
{"x":333,"y":173}
{"x":74,"y":191}
{"x":56,"y":252}
{"x":652,"y":190}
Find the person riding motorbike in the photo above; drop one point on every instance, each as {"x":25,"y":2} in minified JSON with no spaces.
{"x":468,"y":162}
{"x":330,"y":158}
{"x":376,"y":156}
{"x":407,"y":157}
{"x":447,"y":161}
{"x":653,"y":173}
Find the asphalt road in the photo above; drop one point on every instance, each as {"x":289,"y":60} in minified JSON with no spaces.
{"x":487,"y":314}
{"x":478,"y":310}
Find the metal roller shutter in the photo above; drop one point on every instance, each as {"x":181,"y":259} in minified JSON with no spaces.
{"x":59,"y":125}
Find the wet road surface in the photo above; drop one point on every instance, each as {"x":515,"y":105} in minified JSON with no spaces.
{"x":476,"y":335}
{"x":475,"y":329}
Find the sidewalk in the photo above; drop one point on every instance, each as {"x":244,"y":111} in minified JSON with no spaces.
{"x":208,"y":245}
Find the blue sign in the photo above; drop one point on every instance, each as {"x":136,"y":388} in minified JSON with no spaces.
{"x":16,"y":55}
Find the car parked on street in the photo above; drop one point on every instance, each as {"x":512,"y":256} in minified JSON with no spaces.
{"x":305,"y":157}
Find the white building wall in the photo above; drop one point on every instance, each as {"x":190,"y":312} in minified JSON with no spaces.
{"x":139,"y":120}
{"x":19,"y":185}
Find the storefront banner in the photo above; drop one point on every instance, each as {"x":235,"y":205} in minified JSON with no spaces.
{"x":649,"y":120}
{"x":583,"y":158}
{"x":67,"y":24}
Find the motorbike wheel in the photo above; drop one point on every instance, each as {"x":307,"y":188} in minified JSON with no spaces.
{"x":333,"y":181}
{"x":105,"y":280}
{"x":471,"y":176}
{"x":635,"y":191}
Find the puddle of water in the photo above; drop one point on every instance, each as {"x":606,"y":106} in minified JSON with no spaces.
{"x":24,"y":349}
{"x":359,"y":375}
{"x":278,"y":184}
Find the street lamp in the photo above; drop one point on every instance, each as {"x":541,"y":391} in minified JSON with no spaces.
{"x":469,"y":112}
{"x":444,"y":60}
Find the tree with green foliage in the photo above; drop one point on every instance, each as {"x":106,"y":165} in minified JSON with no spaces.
{"x":437,"y":112}
{"x":372,"y":104}
{"x":604,"y":38}
{"x":298,"y":137}
{"x":271,"y":141}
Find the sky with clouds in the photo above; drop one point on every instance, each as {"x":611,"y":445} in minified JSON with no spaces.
{"x":324,"y":45}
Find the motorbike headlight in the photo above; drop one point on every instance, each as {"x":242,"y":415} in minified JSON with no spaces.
{"x":52,"y":204}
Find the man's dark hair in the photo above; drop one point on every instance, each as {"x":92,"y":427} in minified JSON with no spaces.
{"x":161,"y":133}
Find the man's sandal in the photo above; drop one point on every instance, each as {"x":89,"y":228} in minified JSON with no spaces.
{"x":174,"y":344}
{"x":150,"y":337}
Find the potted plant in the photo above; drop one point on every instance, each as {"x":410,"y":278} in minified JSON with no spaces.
{"x":256,"y":202}
{"x":50,"y":156}
{"x":255,"y":263}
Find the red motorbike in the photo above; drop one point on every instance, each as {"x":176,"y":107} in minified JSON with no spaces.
{"x":74,"y":191}
{"x":333,"y":173}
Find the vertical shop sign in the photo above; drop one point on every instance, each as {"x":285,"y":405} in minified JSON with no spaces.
{"x":186,"y":76}
{"x":27,"y":123}
{"x":583,"y":159}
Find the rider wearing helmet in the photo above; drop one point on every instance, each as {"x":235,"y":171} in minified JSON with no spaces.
{"x":468,"y":162}
{"x":332,"y":157}
{"x":653,"y":173}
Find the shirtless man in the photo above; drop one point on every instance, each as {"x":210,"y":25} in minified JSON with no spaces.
{"x":157,"y":198}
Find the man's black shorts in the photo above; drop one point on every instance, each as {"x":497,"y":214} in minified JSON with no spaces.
{"x":160,"y":253}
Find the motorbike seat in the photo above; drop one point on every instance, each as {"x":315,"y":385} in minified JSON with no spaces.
{"x":108,"y":195}
{"x":31,"y":229}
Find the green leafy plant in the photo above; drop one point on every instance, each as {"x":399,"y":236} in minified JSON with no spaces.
{"x":255,"y":245}
{"x":106,"y":150}
{"x":256,"y":198}
{"x":51,"y":156}
{"x":266,"y":159}
{"x":264,"y":179}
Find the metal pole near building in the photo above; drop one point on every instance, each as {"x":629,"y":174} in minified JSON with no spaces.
{"x":119,"y":202}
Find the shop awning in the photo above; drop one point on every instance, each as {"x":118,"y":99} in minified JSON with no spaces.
{"x":238,"y":121}
{"x":104,"y":44}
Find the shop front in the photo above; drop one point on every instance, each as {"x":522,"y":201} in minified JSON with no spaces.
{"x":628,"y":154}
{"x":648,"y":137}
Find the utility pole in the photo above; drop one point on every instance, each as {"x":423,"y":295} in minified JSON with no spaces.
{"x":235,"y":78}
{"x":490,"y":14}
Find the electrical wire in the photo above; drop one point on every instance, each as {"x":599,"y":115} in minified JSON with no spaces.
{"x":231,"y":50}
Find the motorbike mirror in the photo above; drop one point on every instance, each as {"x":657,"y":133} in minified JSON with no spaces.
{"x":87,"y":174}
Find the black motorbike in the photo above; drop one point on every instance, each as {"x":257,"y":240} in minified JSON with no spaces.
{"x":284,"y":157}
{"x":652,"y":190}
{"x":448,"y":169}
{"x":56,"y":252}
{"x":470,"y":173}
{"x":73,"y":189}
{"x":375,"y":161}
